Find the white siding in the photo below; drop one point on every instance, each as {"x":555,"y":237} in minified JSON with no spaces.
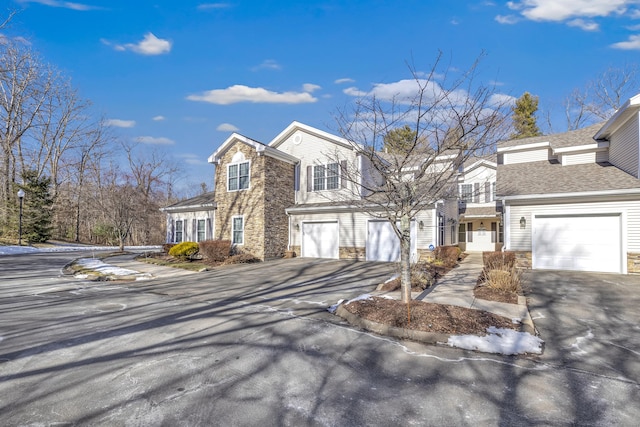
{"x":578,"y":159}
{"x":479,"y":175}
{"x":623,"y":147}
{"x":190,"y":232}
{"x":353,"y":228}
{"x":313,"y":150}
{"x":520,"y":239}
{"x":525,"y":156}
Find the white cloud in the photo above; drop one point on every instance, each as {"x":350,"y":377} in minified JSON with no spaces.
{"x":507,"y":19}
{"x":211,"y":6}
{"x":155,"y":140}
{"x":267,"y":64}
{"x":633,"y":43}
{"x":240,"y":93}
{"x":344,"y":80}
{"x":63,"y":4}
{"x":227,"y":127}
{"x":561,"y":10}
{"x":158,"y":118}
{"x":501,"y":99}
{"x":121,"y":123}
{"x":192,"y":159}
{"x":586,"y":25}
{"x":354,"y":91}
{"x":149,"y":45}
{"x":310,"y":87}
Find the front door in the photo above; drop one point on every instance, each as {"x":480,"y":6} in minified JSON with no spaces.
{"x":480,"y":236}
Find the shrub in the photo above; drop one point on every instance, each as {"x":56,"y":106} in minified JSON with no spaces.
{"x":504,"y":280}
{"x":215,"y":250}
{"x":498,"y":260}
{"x":241,"y":258}
{"x":421,"y":278}
{"x":167,"y":247}
{"x":184,"y":250}
{"x":448,"y":255}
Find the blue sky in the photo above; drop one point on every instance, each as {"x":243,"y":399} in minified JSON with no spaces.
{"x":184,"y":74}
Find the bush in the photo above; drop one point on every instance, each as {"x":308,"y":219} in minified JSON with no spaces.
{"x":242,"y":258}
{"x":421,"y":278}
{"x":504,"y":280}
{"x":499,"y":260}
{"x":166,"y":247}
{"x":184,"y":250}
{"x":215,"y":250}
{"x":448,"y":255}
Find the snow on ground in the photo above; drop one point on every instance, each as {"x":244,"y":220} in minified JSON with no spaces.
{"x":104,"y":268}
{"x":503,"y":341}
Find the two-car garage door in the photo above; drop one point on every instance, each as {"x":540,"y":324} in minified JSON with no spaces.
{"x":578,"y":242}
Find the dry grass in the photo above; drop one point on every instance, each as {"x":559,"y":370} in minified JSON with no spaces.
{"x":508,"y":280}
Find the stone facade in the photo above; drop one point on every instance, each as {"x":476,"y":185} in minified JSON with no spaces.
{"x":348,"y":252}
{"x":523,"y":259}
{"x":262,"y":205}
{"x":633,"y":262}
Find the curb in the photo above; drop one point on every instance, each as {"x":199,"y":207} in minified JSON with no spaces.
{"x":392,"y":331}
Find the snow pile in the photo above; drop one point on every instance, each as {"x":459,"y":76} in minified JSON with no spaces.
{"x":503,"y":341}
{"x":334,"y":307}
{"x":103,"y":268}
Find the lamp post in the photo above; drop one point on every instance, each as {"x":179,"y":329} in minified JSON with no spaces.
{"x":20,"y":196}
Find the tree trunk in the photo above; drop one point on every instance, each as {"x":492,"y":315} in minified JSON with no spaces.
{"x":405,"y":258}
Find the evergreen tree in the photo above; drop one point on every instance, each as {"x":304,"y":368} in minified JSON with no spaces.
{"x":38,"y":203}
{"x":524,"y":117}
{"x":400,"y":140}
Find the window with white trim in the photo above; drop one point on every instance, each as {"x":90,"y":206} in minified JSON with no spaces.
{"x":179,"y":231}
{"x":238,"y":176}
{"x":201,"y":234}
{"x":237,"y":230}
{"x":326,"y":177}
{"x":466,"y":192}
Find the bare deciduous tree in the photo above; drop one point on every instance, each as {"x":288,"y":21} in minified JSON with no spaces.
{"x":451,"y":120}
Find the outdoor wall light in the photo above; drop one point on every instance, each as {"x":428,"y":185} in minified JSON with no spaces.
{"x":523,"y":222}
{"x":298,"y":226}
{"x":421,"y":225}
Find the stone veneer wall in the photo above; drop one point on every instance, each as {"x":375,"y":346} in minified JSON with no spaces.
{"x":278,"y":195}
{"x":523,"y":259}
{"x":348,"y":252}
{"x":249,"y":203}
{"x":633,"y":262}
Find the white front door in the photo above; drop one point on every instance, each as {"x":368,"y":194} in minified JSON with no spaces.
{"x":578,"y":242}
{"x":320,"y":239}
{"x":480,"y":238}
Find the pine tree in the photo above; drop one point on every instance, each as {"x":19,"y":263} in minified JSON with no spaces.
{"x":524,"y":117}
{"x":400,"y":140}
{"x":36,"y":218}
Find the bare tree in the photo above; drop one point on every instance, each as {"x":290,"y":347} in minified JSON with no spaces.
{"x":451,"y":120}
{"x":601,"y":97}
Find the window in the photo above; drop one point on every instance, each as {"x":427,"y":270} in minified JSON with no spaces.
{"x":237,"y":230}
{"x":326,"y":177}
{"x":201,"y":233}
{"x":462,"y":233}
{"x":238,"y":176}
{"x":466,"y":192}
{"x":179,"y":230}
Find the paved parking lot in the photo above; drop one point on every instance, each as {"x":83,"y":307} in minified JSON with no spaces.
{"x":254,"y":345}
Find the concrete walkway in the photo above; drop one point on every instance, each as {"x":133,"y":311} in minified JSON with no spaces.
{"x":456,"y":288}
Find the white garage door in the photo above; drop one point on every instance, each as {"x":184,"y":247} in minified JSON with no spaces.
{"x":383,"y":244}
{"x":320,"y":239}
{"x":583,"y":243}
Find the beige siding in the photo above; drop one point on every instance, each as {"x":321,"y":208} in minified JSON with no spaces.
{"x":623,"y":148}
{"x":520,"y":240}
{"x":313,"y":150}
{"x":526,"y":156}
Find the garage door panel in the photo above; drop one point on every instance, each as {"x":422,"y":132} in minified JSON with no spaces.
{"x":383,"y":244}
{"x":584,"y":243}
{"x":320,"y":239}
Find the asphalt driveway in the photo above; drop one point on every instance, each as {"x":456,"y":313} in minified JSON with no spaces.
{"x":254,"y":345}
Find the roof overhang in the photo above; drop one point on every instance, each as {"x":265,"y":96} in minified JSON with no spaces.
{"x":619,"y":118}
{"x":523,"y":147}
{"x":297,"y":126}
{"x":261,"y":149}
{"x":190,"y":208}
{"x":583,"y":194}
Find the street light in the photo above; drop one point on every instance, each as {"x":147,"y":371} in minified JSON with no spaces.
{"x":20,"y":196}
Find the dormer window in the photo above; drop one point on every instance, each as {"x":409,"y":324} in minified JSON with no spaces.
{"x":238,"y":173}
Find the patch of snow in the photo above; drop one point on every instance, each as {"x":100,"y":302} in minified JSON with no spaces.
{"x":359,"y":297}
{"x":106,"y":269}
{"x":81,"y":276}
{"x":394,"y":277}
{"x":334,"y":307}
{"x":503,"y":341}
{"x":579,"y":351}
{"x":516,"y":320}
{"x":16,"y":250}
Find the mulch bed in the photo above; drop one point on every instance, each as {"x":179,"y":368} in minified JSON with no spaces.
{"x":487,"y":293}
{"x":428,"y":317}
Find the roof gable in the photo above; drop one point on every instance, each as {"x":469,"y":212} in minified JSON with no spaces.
{"x":260,"y":148}
{"x":297,"y":126}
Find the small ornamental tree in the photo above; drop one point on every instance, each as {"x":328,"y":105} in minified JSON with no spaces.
{"x":424,"y":119}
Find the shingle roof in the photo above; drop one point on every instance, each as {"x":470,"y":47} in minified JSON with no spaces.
{"x":479,"y":211}
{"x":572,"y":138}
{"x":552,"y":178}
{"x":200,"y":201}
